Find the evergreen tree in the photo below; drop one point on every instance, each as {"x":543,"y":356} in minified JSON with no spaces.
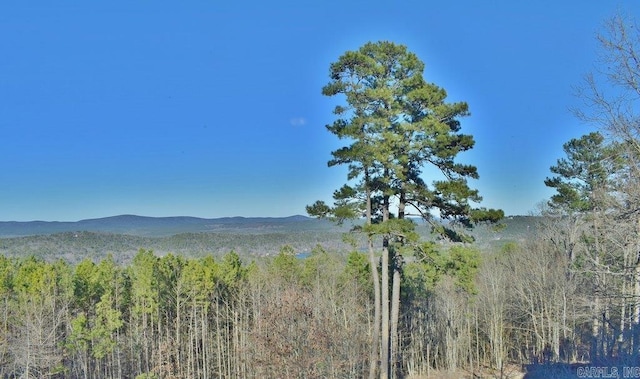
{"x":397,"y":124}
{"x":584,"y":179}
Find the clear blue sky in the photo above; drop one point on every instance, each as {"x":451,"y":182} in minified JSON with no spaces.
{"x":202,"y":109}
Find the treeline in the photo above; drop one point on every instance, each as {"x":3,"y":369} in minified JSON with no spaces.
{"x":73,"y":246}
{"x":177,"y":317}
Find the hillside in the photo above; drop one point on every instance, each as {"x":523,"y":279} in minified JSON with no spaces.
{"x":164,"y":226}
{"x":124,"y":235}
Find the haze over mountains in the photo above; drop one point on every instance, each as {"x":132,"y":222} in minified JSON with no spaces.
{"x":124,"y":235}
{"x":163,"y":226}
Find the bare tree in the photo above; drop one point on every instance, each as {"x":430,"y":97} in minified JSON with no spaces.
{"x":610,"y":96}
{"x":493,"y":283}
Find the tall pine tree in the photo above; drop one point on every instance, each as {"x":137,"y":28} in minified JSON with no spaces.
{"x":397,"y":124}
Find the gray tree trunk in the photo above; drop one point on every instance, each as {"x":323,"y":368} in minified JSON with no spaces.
{"x":375,"y":335}
{"x":384,"y":348}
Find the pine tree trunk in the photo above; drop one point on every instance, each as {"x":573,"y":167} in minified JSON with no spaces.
{"x":375,"y":335}
{"x":395,"y":314}
{"x":384,"y":349}
{"x":395,"y":295}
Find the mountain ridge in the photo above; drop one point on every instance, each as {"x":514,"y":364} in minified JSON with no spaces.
{"x":146,"y":225}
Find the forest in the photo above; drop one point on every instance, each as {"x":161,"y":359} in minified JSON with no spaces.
{"x":463,"y":312}
{"x":398,"y":302}
{"x":175,"y":317}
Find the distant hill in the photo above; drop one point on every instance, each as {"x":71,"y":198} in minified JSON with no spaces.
{"x":490,"y":237}
{"x":163,"y":226}
{"x":124,"y":235}
{"x":75,"y":246}
{"x":514,"y":229}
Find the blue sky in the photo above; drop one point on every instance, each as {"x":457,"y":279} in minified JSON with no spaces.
{"x":212,"y":109}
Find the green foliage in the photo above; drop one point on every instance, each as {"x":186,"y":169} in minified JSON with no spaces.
{"x":462,"y":264}
{"x":86,"y":284}
{"x":232,"y":272}
{"x":168,"y":271}
{"x":108,"y":320}
{"x":586,"y":171}
{"x":6,"y":275}
{"x":92,"y":314}
{"x":488,"y":215}
{"x":36,"y":280}
{"x":397,"y":123}
{"x":192,"y":279}
{"x":459,"y":262}
{"x":319,"y":209}
{"x":80,"y":336}
{"x":144,"y":283}
{"x":286,"y":265}
{"x":319,"y":266}
{"x":509,"y":248}
{"x":429,"y":266}
{"x":358,"y":270}
{"x":422,"y":274}
{"x":347,"y":206}
{"x":394,"y":228}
